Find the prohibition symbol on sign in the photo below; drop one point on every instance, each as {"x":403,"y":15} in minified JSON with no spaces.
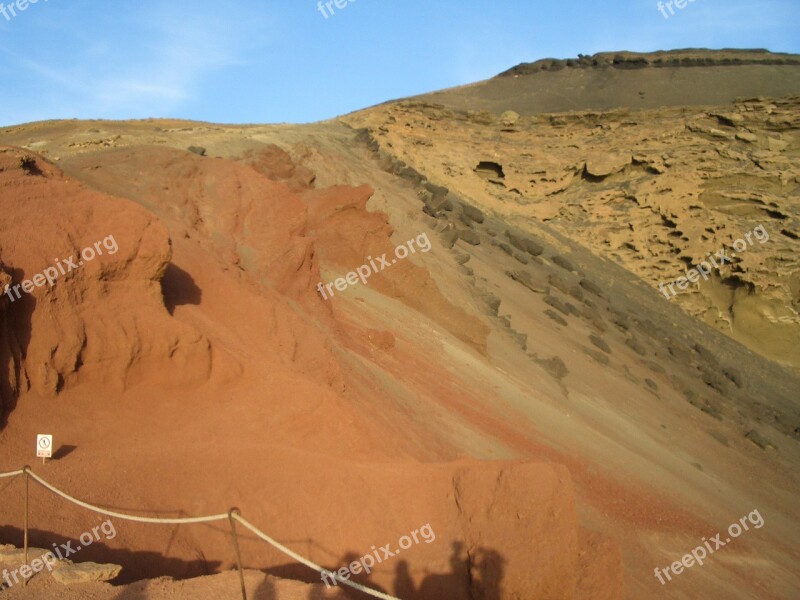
{"x":44,"y":446}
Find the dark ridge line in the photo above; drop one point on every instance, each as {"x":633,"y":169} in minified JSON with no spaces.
{"x":665,"y":58}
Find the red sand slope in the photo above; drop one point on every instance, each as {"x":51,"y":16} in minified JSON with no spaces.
{"x":239,"y":386}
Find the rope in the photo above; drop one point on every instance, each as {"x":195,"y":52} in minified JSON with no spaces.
{"x":307,"y":562}
{"x":12,"y":473}
{"x":110,"y":513}
{"x":232,"y":514}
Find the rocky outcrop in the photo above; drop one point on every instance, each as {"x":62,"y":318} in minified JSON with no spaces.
{"x":671,"y":58}
{"x":523,"y":538}
{"x":11,"y":556}
{"x":85,"y":301}
{"x":658,"y":191}
{"x":506,"y":529}
{"x":9,"y":352}
{"x":69,"y":573}
{"x":347,"y":233}
{"x":41,"y":563}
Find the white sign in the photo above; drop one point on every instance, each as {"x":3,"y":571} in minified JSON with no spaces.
{"x":44,"y":446}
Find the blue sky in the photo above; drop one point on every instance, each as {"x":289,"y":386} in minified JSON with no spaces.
{"x":259,"y":61}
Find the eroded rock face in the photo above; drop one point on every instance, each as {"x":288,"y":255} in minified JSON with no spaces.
{"x":11,"y":556}
{"x":85,"y":301}
{"x":658,"y":191}
{"x":9,"y":352}
{"x":508,"y":521}
{"x":346,"y":233}
{"x":276,"y":164}
{"x":42,"y":562}
{"x":496,"y":530}
{"x":671,"y":58}
{"x":69,"y":573}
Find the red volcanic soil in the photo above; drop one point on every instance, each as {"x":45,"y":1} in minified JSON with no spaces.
{"x":196,"y":367}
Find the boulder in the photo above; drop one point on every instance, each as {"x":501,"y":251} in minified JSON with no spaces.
{"x":526,"y":279}
{"x":449,"y":238}
{"x":11,"y":556}
{"x":473,"y":213}
{"x":746,"y":136}
{"x":436,"y":190}
{"x":525,"y":244}
{"x":776,"y":145}
{"x":74,"y":573}
{"x":563,"y":263}
{"x":728,"y":119}
{"x":605,"y":164}
{"x":471,"y":237}
{"x":509,"y":118}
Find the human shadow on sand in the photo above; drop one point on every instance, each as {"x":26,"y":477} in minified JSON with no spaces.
{"x":473,"y":577}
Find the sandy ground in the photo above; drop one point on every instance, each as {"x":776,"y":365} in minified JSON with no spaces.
{"x":225,"y":586}
{"x":528,"y":394}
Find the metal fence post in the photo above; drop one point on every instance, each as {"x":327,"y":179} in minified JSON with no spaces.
{"x":231,"y":513}
{"x":25,"y":540}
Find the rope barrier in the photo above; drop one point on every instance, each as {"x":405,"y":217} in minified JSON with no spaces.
{"x":230,"y":516}
{"x":110,"y":513}
{"x":12,"y":473}
{"x":307,"y":562}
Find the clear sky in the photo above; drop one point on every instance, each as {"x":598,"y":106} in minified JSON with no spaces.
{"x":261,"y":61}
